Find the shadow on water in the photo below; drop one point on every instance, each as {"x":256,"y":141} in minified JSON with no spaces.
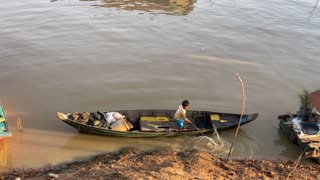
{"x":290,"y":150}
{"x":84,"y":146}
{"x":168,"y":7}
{"x":109,"y":143}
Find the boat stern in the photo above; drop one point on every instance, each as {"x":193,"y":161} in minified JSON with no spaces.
{"x":249,"y":118}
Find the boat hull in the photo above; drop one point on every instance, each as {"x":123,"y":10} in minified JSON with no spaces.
{"x":286,"y":125}
{"x":4,"y":128}
{"x":227,"y":121}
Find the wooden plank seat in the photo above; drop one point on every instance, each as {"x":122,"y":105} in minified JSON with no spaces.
{"x":156,"y":124}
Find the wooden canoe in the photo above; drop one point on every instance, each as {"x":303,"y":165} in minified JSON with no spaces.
{"x":157,"y":123}
{"x":4,"y":128}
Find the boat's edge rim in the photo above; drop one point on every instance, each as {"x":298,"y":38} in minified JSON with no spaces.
{"x":65,"y":119}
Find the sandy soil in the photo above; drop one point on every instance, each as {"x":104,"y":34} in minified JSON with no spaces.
{"x":131,"y":163}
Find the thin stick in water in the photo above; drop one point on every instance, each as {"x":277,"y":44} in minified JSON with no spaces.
{"x":242,"y":112}
{"x":19,"y":124}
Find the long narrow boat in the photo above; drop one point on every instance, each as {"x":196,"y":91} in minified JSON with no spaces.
{"x":4,"y":128}
{"x":157,"y":123}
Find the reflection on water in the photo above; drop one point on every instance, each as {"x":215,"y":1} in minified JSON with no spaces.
{"x":168,"y":7}
{"x":4,"y":157}
{"x":287,"y":145}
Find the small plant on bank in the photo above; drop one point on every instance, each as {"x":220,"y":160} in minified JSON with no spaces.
{"x":305,"y":105}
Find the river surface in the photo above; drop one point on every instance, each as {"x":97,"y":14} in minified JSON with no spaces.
{"x":71,"y":55}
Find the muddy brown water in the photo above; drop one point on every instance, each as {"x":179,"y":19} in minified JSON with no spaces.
{"x":70,"y":55}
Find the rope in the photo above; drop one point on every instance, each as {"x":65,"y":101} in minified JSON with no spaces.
{"x":211,"y":140}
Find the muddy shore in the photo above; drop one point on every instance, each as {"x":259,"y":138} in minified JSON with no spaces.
{"x":131,"y":163}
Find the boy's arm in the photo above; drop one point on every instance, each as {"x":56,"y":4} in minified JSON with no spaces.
{"x":186,"y":119}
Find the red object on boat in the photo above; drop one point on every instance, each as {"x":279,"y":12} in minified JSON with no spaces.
{"x":315,"y":99}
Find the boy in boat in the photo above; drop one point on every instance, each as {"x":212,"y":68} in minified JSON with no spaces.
{"x":181,"y":114}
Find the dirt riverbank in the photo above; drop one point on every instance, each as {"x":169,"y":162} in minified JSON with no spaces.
{"x":131,"y":163}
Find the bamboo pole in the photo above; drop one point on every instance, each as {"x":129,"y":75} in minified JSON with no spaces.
{"x":242,"y":112}
{"x":316,"y":4}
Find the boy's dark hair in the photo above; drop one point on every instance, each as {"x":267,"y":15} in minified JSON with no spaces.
{"x":185,"y":103}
